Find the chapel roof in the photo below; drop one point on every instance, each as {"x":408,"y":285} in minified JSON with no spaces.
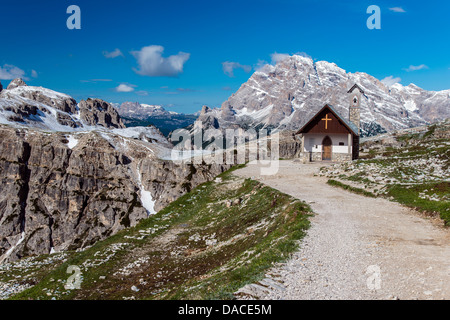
{"x":347,"y":123}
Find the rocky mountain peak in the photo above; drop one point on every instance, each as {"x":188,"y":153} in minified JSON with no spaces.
{"x":284,"y":96}
{"x":18,"y":82}
{"x":205,"y":110}
{"x":99,"y":112}
{"x":42,"y":108}
{"x":141,"y":111}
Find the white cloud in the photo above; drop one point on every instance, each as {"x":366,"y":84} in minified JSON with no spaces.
{"x":303,"y":54}
{"x":228,"y":68}
{"x":123,"y":87}
{"x":113,"y":54}
{"x":264,"y":66}
{"x":415,"y":68}
{"x":397,"y":9}
{"x":142,"y":93}
{"x":389,"y":81}
{"x":278,"y":57}
{"x":96,"y":80}
{"x":10,"y":72}
{"x":186,"y":90}
{"x":260,"y":65}
{"x":153,"y":64}
{"x":34,"y":74}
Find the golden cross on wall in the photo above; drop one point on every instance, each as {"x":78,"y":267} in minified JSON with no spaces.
{"x":326,"y":121}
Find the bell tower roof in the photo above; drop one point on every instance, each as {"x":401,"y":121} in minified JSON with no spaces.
{"x":355,"y":86}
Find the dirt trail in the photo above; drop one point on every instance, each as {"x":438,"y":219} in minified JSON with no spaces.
{"x":357,"y":247}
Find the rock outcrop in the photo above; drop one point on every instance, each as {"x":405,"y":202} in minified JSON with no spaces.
{"x":98,"y":112}
{"x":16,"y":83}
{"x":289,"y":145}
{"x":72,"y":174}
{"x":65,"y":192}
{"x":205,"y":110}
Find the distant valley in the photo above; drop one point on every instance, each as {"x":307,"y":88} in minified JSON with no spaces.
{"x":135,"y":114}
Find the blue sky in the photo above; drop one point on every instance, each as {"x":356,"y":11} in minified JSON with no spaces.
{"x":173,"y":52}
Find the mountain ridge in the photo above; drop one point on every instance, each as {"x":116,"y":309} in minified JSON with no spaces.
{"x":286,"y":95}
{"x":138,"y":114}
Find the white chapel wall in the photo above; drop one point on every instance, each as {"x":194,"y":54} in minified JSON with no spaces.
{"x":313,"y":142}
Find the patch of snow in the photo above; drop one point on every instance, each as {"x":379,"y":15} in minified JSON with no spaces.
{"x":72,"y":142}
{"x":145,"y":196}
{"x":47,"y":92}
{"x":288,"y":119}
{"x":140,"y":133}
{"x":255,"y":114}
{"x":150,"y":106}
{"x":147,"y":202}
{"x":410,"y":105}
{"x":183,"y":155}
{"x":10,"y":250}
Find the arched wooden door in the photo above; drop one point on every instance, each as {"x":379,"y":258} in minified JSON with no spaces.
{"x":326,"y":148}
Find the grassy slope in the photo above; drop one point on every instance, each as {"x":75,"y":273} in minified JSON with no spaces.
{"x":196,"y":248}
{"x":409,"y":172}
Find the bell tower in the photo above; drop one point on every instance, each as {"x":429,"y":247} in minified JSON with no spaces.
{"x":355,"y":105}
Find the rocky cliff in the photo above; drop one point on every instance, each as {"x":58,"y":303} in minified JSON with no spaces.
{"x":63,"y":191}
{"x":71,"y":174}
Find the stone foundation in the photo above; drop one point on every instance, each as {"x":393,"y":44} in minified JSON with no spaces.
{"x":317,"y":156}
{"x":340,"y":157}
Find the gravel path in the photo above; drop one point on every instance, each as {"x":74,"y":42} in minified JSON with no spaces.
{"x":356,"y":248}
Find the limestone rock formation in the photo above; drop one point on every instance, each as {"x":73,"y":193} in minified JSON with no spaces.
{"x":66,"y":191}
{"x":205,"y":110}
{"x":72,"y":174}
{"x":289,"y":145}
{"x":286,"y":95}
{"x":98,"y":112}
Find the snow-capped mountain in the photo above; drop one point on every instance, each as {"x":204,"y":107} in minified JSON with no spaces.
{"x":42,"y":108}
{"x":286,"y":95}
{"x":23,"y":106}
{"x":139,"y":114}
{"x":142,"y":111}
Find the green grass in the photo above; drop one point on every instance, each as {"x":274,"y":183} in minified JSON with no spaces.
{"x":413,"y":196}
{"x":264,"y":228}
{"x":410,"y":196}
{"x":344,"y":186}
{"x":413,"y":173}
